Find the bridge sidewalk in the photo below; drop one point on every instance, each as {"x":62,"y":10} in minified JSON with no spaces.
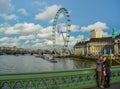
{"x":113,"y":86}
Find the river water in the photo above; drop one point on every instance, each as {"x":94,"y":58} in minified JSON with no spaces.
{"x":27,"y":63}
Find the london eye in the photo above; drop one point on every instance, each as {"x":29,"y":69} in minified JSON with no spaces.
{"x":65,"y":32}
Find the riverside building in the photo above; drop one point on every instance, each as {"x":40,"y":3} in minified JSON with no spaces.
{"x":98,"y":45}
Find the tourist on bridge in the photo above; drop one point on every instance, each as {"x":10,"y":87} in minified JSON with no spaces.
{"x":100,"y":76}
{"x":106,"y":72}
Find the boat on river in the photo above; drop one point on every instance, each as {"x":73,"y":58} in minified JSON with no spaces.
{"x":47,"y":57}
{"x":53,"y":61}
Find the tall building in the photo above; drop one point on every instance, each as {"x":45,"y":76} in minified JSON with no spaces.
{"x":96,"y":33}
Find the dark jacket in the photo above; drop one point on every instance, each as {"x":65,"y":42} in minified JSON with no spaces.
{"x":107,"y":67}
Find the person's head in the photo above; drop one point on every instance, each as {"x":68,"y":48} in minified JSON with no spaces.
{"x":100,"y":57}
{"x":104,"y":58}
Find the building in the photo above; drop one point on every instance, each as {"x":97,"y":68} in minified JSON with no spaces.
{"x":96,"y":33}
{"x":98,"y":45}
{"x":80,"y":48}
{"x":117,"y":45}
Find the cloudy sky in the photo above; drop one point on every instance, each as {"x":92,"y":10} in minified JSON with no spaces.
{"x":28,"y":23}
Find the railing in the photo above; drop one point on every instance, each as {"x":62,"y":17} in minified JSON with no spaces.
{"x":73,"y":79}
{"x":116,"y":60}
{"x":112,"y":58}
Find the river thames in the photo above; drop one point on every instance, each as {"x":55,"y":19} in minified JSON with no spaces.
{"x":27,"y":63}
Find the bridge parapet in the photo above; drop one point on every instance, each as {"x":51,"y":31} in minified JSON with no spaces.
{"x":70,"y":79}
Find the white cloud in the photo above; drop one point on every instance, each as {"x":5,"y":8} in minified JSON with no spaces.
{"x":105,"y":34}
{"x":11,"y":30}
{"x":9,"y":16}
{"x":47,"y":13}
{"x":15,"y":39}
{"x":9,"y":42}
{"x":49,"y":42}
{"x":23,"y":28}
{"x":28,"y":37}
{"x":51,"y":21}
{"x":45,"y":33}
{"x":44,"y":39}
{"x":14,"y":44}
{"x":24,"y":32}
{"x":60,"y":17}
{"x":38,"y":45}
{"x":33,"y":35}
{"x":5,"y":6}
{"x":80,"y":37}
{"x":22,"y":11}
{"x":97,"y":25}
{"x":73,"y":40}
{"x":4,"y":39}
{"x":63,"y":27}
{"x":5,"y":9}
{"x":39,"y":3}
{"x":5,"y":44}
{"x":35,"y":40}
{"x":74,"y":28}
{"x":26,"y":42}
{"x":3,"y":27}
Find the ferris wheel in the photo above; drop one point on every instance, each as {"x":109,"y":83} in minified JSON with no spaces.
{"x":63,"y":32}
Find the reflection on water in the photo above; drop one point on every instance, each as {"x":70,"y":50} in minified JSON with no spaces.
{"x":17,"y":64}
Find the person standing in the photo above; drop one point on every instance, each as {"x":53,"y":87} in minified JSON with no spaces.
{"x":107,"y":72}
{"x":100,"y":77}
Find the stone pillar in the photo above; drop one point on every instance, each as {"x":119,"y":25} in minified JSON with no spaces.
{"x":115,"y":47}
{"x":87,"y":49}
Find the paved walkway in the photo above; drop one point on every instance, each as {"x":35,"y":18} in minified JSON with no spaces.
{"x":113,"y":86}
